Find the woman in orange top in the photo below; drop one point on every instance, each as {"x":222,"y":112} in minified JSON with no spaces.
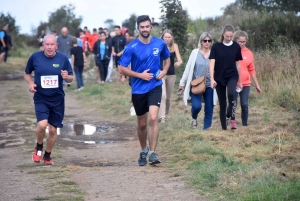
{"x":247,"y":70}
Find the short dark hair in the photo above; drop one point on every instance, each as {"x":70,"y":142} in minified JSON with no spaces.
{"x":117,"y":26}
{"x":105,"y":29}
{"x":142,"y":18}
{"x":94,"y":29}
{"x":85,"y":27}
{"x":102,"y":32}
{"x":130,"y":33}
{"x":53,"y":31}
{"x":74,"y":40}
{"x":100,"y":28}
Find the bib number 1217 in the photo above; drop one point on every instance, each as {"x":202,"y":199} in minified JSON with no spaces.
{"x":49,"y":81}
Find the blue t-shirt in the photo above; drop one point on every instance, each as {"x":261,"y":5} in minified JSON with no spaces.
{"x":79,"y":42}
{"x":44,"y":66}
{"x":102,"y":50}
{"x":2,"y":34}
{"x":142,"y":57}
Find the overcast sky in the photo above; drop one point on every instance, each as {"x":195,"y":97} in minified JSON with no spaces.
{"x":29,"y":13}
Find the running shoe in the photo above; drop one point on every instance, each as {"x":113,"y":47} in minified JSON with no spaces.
{"x":233,"y":124}
{"x":48,"y":161}
{"x":194,"y":123}
{"x":143,"y":158}
{"x":37,"y":155}
{"x":154,"y":159}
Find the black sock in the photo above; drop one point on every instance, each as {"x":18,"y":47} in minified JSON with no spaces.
{"x":39,"y":146}
{"x":47,"y":155}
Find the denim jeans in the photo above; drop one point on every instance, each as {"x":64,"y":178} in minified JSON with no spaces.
{"x":78,"y":72}
{"x":244,"y":96}
{"x":208,"y":96}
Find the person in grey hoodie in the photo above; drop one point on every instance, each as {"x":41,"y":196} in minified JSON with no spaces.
{"x":64,"y":42}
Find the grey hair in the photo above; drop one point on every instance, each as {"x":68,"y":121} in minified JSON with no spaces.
{"x":203,"y":35}
{"x":239,"y":34}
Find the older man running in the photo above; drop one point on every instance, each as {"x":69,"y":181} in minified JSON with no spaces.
{"x":50,"y":68}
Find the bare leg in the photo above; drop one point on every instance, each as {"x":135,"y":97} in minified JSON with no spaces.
{"x":51,"y":140}
{"x":40,"y":131}
{"x":2,"y":57}
{"x":154,"y":128}
{"x":142,"y":130}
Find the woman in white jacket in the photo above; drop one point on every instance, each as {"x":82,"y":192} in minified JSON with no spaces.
{"x":196,"y":67}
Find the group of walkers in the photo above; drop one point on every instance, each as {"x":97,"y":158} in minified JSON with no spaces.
{"x":150,"y":62}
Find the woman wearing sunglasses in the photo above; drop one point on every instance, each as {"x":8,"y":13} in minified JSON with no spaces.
{"x":196,"y":67}
{"x":225,"y":73}
{"x":247,"y":70}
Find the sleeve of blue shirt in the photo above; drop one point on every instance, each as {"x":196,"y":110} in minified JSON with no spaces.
{"x":126,"y":57}
{"x":29,"y":67}
{"x":165,"y":52}
{"x":2,"y":34}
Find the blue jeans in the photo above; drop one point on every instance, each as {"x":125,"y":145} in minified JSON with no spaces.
{"x":208,"y":96}
{"x":78,"y":72}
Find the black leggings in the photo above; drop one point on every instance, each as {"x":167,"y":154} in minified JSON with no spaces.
{"x":221,"y":91}
{"x":103,"y":66}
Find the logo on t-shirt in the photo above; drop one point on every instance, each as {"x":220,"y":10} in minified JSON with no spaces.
{"x":155,"y":51}
{"x":55,"y":65}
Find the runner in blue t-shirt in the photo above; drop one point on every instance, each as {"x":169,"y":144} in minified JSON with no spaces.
{"x":144,"y":54}
{"x":50,"y":69}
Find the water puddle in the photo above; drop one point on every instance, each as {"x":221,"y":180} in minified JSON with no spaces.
{"x":81,"y":129}
{"x":100,"y":142}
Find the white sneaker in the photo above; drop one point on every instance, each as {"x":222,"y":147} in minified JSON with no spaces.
{"x":132,"y":111}
{"x":194,"y":123}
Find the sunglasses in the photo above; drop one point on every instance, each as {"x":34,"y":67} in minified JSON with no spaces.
{"x":205,"y":41}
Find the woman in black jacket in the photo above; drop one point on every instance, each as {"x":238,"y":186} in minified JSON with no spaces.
{"x":102,"y":50}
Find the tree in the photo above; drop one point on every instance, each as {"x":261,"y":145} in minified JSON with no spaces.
{"x":272,"y":5}
{"x":64,"y":17}
{"x":13,"y":29}
{"x":110,"y":24}
{"x":131,"y":22}
{"x":175,"y":19}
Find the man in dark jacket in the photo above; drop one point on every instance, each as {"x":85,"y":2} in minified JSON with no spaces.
{"x":118,"y":45}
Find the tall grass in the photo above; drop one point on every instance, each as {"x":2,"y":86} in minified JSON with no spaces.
{"x":278,"y":71}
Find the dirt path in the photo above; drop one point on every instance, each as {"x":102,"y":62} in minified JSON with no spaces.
{"x":106,"y":170}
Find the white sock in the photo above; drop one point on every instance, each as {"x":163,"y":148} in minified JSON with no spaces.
{"x":150,"y":152}
{"x":145,"y":150}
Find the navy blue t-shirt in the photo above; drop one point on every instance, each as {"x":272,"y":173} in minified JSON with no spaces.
{"x":142,"y":57}
{"x":46,"y":70}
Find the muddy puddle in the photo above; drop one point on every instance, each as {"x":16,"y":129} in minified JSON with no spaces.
{"x":81,"y":129}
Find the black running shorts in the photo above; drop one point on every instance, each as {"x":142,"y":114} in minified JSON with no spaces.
{"x":142,"y":102}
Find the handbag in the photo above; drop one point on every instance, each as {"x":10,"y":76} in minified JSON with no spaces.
{"x":199,"y":84}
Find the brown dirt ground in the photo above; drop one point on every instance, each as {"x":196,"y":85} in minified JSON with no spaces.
{"x":104,"y":171}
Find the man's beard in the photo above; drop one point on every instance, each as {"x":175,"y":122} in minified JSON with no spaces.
{"x":147,"y":36}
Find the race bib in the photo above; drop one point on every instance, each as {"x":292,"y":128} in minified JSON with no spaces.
{"x":49,"y":81}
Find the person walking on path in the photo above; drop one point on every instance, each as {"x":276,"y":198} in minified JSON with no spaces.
{"x":144,"y":54}
{"x":196,"y":67}
{"x":78,"y":61}
{"x":225,"y":73}
{"x":40,"y":39}
{"x":102,"y":51}
{"x":3,"y":42}
{"x":64,"y":46}
{"x":247,"y":70}
{"x":50,"y":68}
{"x":118,"y":45}
{"x":170,"y":78}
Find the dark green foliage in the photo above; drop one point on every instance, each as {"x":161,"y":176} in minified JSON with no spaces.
{"x":130,"y":23}
{"x":64,"y":17}
{"x":110,"y":24}
{"x":13,"y":29}
{"x":272,"y":5}
{"x":175,"y":19}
